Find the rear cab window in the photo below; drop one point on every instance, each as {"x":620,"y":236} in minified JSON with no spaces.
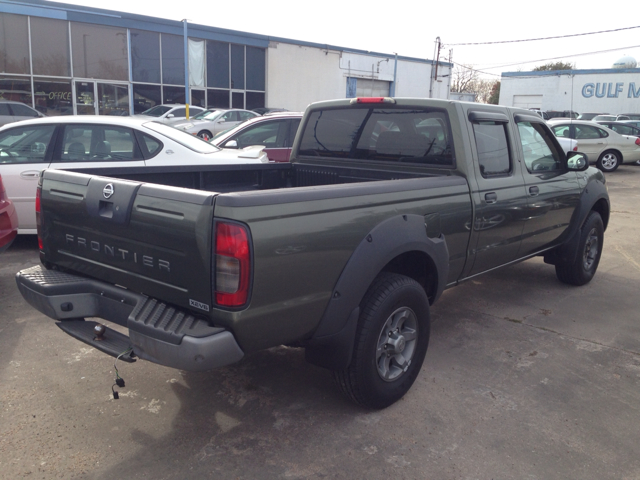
{"x":381,"y":134}
{"x":492,"y":145}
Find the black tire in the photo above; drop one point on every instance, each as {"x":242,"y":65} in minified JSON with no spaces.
{"x":591,"y":239}
{"x":205,"y":135}
{"x":609,"y":161}
{"x":391,"y":341}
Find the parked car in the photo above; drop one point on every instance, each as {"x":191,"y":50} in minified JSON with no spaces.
{"x":8,"y":219}
{"x":15,"y":111}
{"x":559,"y":113}
{"x":622,"y":128}
{"x":633,"y":123}
{"x":609,"y":118}
{"x":604,"y":147}
{"x":632,"y":116}
{"x":275,"y":131}
{"x":589,"y":116}
{"x":265,"y":110}
{"x":30,"y":146}
{"x":208,"y":124}
{"x":170,"y":113}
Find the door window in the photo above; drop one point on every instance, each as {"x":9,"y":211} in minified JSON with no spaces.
{"x":25,"y":144}
{"x":98,"y":143}
{"x":269,"y":134}
{"x":540,"y":153}
{"x":493,"y":148}
{"x":22,"y":110}
{"x":587,"y":132}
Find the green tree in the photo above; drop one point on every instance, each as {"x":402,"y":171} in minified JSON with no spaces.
{"x":494,"y":96}
{"x":554,"y":66}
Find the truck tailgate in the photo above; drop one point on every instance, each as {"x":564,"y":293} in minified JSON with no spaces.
{"x":151,"y":239}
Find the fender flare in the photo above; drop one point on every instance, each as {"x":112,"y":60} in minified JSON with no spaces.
{"x":332,"y":344}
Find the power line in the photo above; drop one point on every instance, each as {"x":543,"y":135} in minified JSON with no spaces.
{"x":543,"y":38}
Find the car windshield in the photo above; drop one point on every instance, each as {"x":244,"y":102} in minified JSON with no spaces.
{"x":156,"y":111}
{"x":207,"y":115}
{"x":185,"y":139}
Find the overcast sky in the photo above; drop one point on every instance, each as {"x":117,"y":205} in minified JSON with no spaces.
{"x":411,"y":27}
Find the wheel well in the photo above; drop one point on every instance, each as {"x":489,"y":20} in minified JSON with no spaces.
{"x":420,"y":267}
{"x":205,"y":131}
{"x":617,"y":152}
{"x":602,"y":207}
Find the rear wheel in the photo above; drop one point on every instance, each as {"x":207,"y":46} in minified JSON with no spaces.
{"x":205,"y":135}
{"x":609,"y":161}
{"x":590,"y":242}
{"x":391,"y":342}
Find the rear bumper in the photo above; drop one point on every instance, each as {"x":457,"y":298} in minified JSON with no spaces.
{"x":157,"y":332}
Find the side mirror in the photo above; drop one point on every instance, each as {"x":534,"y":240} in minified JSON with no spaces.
{"x":222,"y":120}
{"x":231,"y":144}
{"x":171,"y":115}
{"x":577,"y":162}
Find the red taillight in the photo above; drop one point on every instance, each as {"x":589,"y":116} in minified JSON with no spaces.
{"x":575,"y":149}
{"x":372,"y":100}
{"x":232,"y":264}
{"x":38,"y":217}
{"x":637,"y":140}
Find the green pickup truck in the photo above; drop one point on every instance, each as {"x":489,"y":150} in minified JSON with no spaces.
{"x":386,"y":203}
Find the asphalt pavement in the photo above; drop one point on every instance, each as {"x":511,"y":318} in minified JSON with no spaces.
{"x":525,"y":378}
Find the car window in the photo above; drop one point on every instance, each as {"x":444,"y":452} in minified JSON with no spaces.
{"x":493,"y":148}
{"x":23,"y":110}
{"x":230,"y":116}
{"x":179,"y":112}
{"x":4,"y":109}
{"x":293,"y":129}
{"x":562,"y":131}
{"x":625,"y":130}
{"x":269,"y":134}
{"x":540,"y":153}
{"x":192,"y":142}
{"x":245,"y":116}
{"x":151,"y":145}
{"x":587,"y":132}
{"x":156,"y":111}
{"x":98,"y":143}
{"x":25,"y":144}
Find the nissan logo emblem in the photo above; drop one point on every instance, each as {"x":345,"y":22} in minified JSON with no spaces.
{"x":107,"y":191}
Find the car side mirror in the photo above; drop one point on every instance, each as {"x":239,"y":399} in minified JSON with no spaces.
{"x":222,"y":120}
{"x":577,"y":162}
{"x":231,"y":144}
{"x":171,"y":115}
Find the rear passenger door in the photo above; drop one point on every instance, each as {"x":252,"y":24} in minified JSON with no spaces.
{"x":553,"y":192}
{"x":498,"y":196}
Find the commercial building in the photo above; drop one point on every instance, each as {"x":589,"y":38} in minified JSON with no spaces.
{"x":65,"y":59}
{"x":613,"y":90}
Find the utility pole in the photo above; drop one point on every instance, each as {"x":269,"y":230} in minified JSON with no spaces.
{"x":436,"y":53}
{"x":186,"y":68}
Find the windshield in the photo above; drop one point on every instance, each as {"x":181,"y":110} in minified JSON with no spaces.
{"x":207,"y":115}
{"x":185,"y":139}
{"x":156,"y":111}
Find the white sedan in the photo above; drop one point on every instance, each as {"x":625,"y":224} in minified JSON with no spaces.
{"x":30,"y":146}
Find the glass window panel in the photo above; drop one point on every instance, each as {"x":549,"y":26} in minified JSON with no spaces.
{"x":255,"y":68}
{"x":538,"y":148}
{"x":145,"y":56}
{"x":99,"y":52}
{"x":25,"y":144}
{"x":493,"y":148}
{"x":173,"y":94}
{"x":98,"y":143}
{"x":113,"y":99}
{"x":145,"y":97}
{"x":173,"y":60}
{"x":20,"y":110}
{"x":50,"y":47}
{"x":237,"y":99}
{"x":237,"y":66}
{"x":198,"y":98}
{"x":14,"y":44}
{"x":152,"y":145}
{"x":218,"y":98}
{"x":53,"y":97}
{"x":17,"y":89}
{"x":4,"y":109}
{"x":255,"y":100}
{"x":217,"y":64}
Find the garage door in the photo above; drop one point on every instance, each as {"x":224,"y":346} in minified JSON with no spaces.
{"x":527,"y":101}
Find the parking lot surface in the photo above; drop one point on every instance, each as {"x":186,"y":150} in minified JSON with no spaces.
{"x":525,"y":378}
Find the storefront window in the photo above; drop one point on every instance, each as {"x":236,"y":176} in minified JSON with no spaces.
{"x":255,"y":100}
{"x":145,"y":97}
{"x":145,"y":56}
{"x":99,"y":52}
{"x":217,"y":64}
{"x":217,"y":98}
{"x":50,"y":47}
{"x":197,"y":98}
{"x":53,"y":97}
{"x":173,"y":94}
{"x":255,"y":69}
{"x":173,"y":60}
{"x":237,"y":66}
{"x":14,"y":44}
{"x":17,"y":89}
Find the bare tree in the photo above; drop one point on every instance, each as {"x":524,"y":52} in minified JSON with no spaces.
{"x":465,"y":79}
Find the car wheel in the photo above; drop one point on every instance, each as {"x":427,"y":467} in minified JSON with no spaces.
{"x":609,"y":161}
{"x":205,"y":135}
{"x":584,"y":267}
{"x":391,"y":342}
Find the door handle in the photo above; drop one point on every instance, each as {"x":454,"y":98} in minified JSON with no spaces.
{"x":534,"y":191}
{"x":491,"y":197}
{"x":30,"y":174}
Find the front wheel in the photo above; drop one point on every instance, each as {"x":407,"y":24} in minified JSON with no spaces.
{"x":391,"y":342}
{"x":609,"y":161}
{"x":590,"y":242}
{"x":205,"y":135}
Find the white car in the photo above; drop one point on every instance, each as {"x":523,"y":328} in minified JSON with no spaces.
{"x":171,"y":113}
{"x":604,"y":147}
{"x":30,"y":146}
{"x":209,"y":123}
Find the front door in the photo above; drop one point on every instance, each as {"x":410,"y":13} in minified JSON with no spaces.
{"x":85,"y":94}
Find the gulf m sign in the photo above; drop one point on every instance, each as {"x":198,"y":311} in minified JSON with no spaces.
{"x":610,"y":90}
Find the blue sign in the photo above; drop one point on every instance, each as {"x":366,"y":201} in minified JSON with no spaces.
{"x":609,"y":90}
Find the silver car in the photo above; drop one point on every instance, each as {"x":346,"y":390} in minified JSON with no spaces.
{"x":170,"y":114}
{"x":209,"y":123}
{"x":16,"y":111}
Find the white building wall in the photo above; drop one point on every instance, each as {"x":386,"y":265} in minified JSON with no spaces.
{"x":598,"y":91}
{"x":298,"y":75}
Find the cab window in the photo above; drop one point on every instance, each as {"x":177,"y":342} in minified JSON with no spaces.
{"x":493,"y":148}
{"x":540,"y":152}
